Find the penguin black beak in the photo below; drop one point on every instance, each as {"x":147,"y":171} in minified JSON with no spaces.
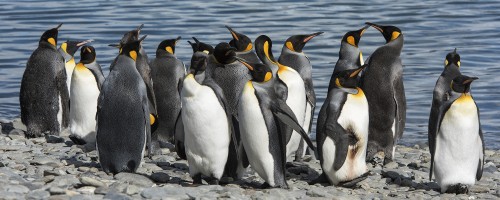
{"x":244,"y":62}
{"x":115,"y":45}
{"x":139,"y":28}
{"x":455,"y":51}
{"x":309,"y":37}
{"x":84,"y":42}
{"x":177,"y":39}
{"x":142,"y":38}
{"x":355,"y":73}
{"x":59,"y":26}
{"x":362,"y":30}
{"x":379,"y":28}
{"x":233,"y":33}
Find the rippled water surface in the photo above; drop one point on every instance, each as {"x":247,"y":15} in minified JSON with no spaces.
{"x":431,"y":29}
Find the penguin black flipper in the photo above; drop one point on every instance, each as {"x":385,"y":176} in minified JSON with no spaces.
{"x":480,"y":166}
{"x":284,"y":114}
{"x":237,"y":137}
{"x":179,"y":137}
{"x":62,"y":87}
{"x":147,"y":124}
{"x":335,"y":131}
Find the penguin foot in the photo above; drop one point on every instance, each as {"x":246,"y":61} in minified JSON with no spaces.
{"x":321,"y":179}
{"x":294,"y":164}
{"x":387,"y":160}
{"x":265,"y":185}
{"x":213,"y":181}
{"x":77,"y":140}
{"x":197,"y":179}
{"x":352,"y":183}
{"x":458,"y":189}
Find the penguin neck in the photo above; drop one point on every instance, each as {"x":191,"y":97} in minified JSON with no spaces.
{"x":349,"y":53}
{"x":163,"y":54}
{"x":396,"y":45}
{"x":450,"y":72}
{"x":190,"y":86}
{"x":65,"y":55}
{"x":286,"y":50}
{"x":144,"y":54}
{"x":200,"y":77}
{"x":44,"y":44}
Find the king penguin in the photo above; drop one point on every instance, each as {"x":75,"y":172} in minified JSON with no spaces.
{"x":263,"y":117}
{"x":207,"y":125}
{"x":123,"y":115}
{"x":292,"y":56}
{"x":243,"y":45}
{"x":86,"y":85}
{"x":289,"y":88}
{"x":44,"y":96}
{"x":441,"y":90}
{"x":167,"y":73}
{"x":458,"y":155}
{"x":342,"y":130}
{"x":68,"y":50}
{"x":350,"y":56}
{"x":382,"y":82}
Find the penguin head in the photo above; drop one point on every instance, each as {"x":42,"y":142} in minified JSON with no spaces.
{"x":131,"y":35}
{"x":263,"y":48}
{"x":87,"y":54}
{"x":200,"y":46}
{"x":224,"y":53}
{"x":390,"y":33}
{"x":461,"y":83}
{"x":353,"y":37}
{"x":132,"y":49}
{"x":70,"y":46}
{"x":452,"y":59}
{"x":241,"y":42}
{"x":260,"y":72}
{"x":297,"y":42}
{"x":348,"y":78}
{"x":50,"y":36}
{"x":199,"y":62}
{"x":168,"y":45}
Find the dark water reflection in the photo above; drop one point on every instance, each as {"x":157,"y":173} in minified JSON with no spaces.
{"x":431,"y":28}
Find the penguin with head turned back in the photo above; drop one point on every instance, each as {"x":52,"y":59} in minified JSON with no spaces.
{"x":243,"y":45}
{"x":123,"y":115}
{"x":207,"y":125}
{"x":292,"y":56}
{"x":68,"y":50}
{"x":263,"y":117}
{"x":167,"y":73}
{"x":382,"y":82}
{"x":86,"y":85}
{"x":289,"y":88}
{"x":44,"y":96}
{"x":145,"y":72}
{"x":342,"y":130}
{"x":458,"y":153}
{"x":441,"y":90}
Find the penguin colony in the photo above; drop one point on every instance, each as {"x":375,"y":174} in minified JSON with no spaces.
{"x":238,"y":106}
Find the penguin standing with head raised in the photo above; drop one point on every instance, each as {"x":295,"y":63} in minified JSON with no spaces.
{"x":263,"y":117}
{"x":86,"y":85}
{"x":167,"y":73}
{"x":44,"y":96}
{"x":440,"y":95}
{"x":123,"y":115}
{"x":243,"y":45}
{"x":342,"y":130}
{"x":382,"y":82}
{"x":289,"y":88}
{"x":458,"y":154}
{"x":292,"y":56}
{"x":350,"y":56}
{"x":68,"y":50}
{"x":207,"y":125}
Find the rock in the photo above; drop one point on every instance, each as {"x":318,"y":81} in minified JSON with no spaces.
{"x":479,"y":189}
{"x":181,"y":166}
{"x":86,"y":190}
{"x":391,"y":165}
{"x":45,"y":161}
{"x":54,"y":139}
{"x":158,"y":193}
{"x":135,"y":179}
{"x":56,"y":190}
{"x":160,"y":177}
{"x":490,"y":167}
{"x":117,"y":196}
{"x":38,"y":194}
{"x":55,"y":172}
{"x":318,"y":192}
{"x":132,"y":189}
{"x":65,"y":181}
{"x":9,"y":195}
{"x":101,"y":190}
{"x":20,"y":189}
{"x":89,"y":181}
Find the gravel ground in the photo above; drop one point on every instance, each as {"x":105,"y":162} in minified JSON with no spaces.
{"x":55,"y":168}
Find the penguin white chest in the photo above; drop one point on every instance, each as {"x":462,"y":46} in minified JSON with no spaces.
{"x":297,"y":102}
{"x":458,"y":144}
{"x":254,"y":134}
{"x":85,"y":92}
{"x":354,"y":118}
{"x":206,"y":130}
{"x":70,"y":67}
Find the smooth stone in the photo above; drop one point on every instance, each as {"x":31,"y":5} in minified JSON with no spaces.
{"x":89,"y":181}
{"x":55,"y":172}
{"x":181,"y":166}
{"x":132,"y":189}
{"x":160,"y":177}
{"x":38,"y":194}
{"x":16,"y":189}
{"x":54,"y":190}
{"x":116,"y":196}
{"x":135,"y":179}
{"x":83,"y":197}
{"x":65,"y":181}
{"x":54,"y":139}
{"x":9,"y":195}
{"x":391,"y":165}
{"x":86,"y":190}
{"x":158,"y":193}
{"x":45,"y":161}
{"x":101,"y":190}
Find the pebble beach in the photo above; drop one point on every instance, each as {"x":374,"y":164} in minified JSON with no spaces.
{"x":55,"y":168}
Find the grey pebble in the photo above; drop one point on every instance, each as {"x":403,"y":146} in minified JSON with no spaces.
{"x":56,"y":190}
{"x":38,"y":194}
{"x":160,"y":192}
{"x":54,"y":139}
{"x":116,"y":196}
{"x":89,"y":181}
{"x":160,"y":177}
{"x":135,"y":179}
